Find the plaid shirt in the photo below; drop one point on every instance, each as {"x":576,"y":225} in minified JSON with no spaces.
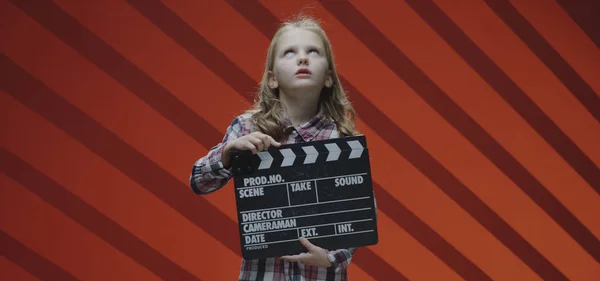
{"x":209,"y":175}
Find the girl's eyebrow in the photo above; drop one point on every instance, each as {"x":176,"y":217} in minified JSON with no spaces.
{"x":285,"y":48}
{"x":310,"y":46}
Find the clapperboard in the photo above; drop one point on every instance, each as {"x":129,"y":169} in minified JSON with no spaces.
{"x":320,"y":190}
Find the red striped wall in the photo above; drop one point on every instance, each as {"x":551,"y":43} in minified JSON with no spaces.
{"x":483,"y":120}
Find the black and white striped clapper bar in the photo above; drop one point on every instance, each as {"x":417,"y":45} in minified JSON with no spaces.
{"x":321,"y":190}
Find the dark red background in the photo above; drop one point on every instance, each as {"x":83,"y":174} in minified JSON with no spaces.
{"x":482,"y":117}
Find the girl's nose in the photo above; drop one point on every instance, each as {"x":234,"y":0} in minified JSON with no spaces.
{"x":302,"y":60}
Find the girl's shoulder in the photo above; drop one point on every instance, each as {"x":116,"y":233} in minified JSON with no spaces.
{"x":242,"y":124}
{"x":243,"y":118}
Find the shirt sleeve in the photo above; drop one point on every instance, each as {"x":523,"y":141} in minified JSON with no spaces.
{"x":341,"y":258}
{"x":208,"y":173}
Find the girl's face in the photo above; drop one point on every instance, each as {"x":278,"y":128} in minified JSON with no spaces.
{"x":300,"y":63}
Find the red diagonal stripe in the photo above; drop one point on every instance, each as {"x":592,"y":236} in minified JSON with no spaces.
{"x":50,"y":105}
{"x":198,"y":46}
{"x":438,"y":100}
{"x":427,"y":236}
{"x":172,"y":25}
{"x":11,"y":271}
{"x":257,"y":15}
{"x":29,"y":260}
{"x":510,"y":92}
{"x":90,"y":218}
{"x":375,"y":266}
{"x":109,"y":146}
{"x":547,"y":54}
{"x":90,"y":46}
{"x":585,"y":14}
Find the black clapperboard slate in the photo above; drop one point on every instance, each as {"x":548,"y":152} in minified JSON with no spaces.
{"x":321,"y":190}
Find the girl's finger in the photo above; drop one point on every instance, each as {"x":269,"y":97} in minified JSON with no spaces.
{"x":273,"y":142}
{"x":257,"y":142}
{"x":266,"y":140}
{"x":250,"y":146}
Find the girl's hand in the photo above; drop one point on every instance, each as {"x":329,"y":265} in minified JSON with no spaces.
{"x":254,"y":142}
{"x":316,"y":255}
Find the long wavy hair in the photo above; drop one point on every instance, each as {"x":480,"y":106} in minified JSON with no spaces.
{"x":333,"y":103}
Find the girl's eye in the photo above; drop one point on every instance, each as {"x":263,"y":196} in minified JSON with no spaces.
{"x":288,"y":53}
{"x":314,"y":51}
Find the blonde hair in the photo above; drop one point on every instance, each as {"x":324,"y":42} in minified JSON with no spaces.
{"x":266,"y":112}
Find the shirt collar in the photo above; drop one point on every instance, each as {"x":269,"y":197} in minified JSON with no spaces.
{"x":309,"y":130}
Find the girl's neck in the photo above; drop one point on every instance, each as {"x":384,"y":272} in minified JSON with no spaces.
{"x":300,"y":108}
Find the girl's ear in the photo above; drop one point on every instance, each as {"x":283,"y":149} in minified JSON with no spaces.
{"x":272,"y":81}
{"x":329,"y":80}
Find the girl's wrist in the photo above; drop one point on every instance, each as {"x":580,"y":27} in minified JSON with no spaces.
{"x":225,"y":155}
{"x":331,"y":260}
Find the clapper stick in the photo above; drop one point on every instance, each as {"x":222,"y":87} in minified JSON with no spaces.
{"x":321,"y":190}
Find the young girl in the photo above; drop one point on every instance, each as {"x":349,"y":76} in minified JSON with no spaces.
{"x":300,"y":100}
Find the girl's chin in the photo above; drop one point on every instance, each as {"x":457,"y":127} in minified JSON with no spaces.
{"x":300,"y":91}
{"x":305,"y":84}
